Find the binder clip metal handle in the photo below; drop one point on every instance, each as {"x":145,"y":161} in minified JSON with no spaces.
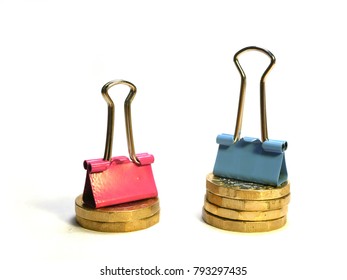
{"x":264,"y":132}
{"x":110,"y":119}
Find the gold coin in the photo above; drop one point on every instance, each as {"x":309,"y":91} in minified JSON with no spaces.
{"x":243,"y":226}
{"x":124,"y":212}
{"x":245,"y":215}
{"x":248,"y":205}
{"x":119,"y":226}
{"x":244,"y":190}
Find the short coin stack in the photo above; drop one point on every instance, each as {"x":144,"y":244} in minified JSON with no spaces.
{"x":244,"y":206}
{"x":124,"y":217}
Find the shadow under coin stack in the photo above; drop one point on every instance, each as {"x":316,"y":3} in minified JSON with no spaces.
{"x":243,"y":206}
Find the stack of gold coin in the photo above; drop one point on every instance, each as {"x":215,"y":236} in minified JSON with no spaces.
{"x":244,"y":206}
{"x":124,"y":217}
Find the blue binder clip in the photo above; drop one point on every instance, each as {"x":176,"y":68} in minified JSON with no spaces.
{"x":250,"y":159}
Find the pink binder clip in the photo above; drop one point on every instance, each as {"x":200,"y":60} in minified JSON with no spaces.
{"x":115,"y":180}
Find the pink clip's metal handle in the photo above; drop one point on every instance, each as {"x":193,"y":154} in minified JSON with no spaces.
{"x":110,"y":119}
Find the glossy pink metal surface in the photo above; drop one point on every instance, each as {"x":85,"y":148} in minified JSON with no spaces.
{"x":118,"y":181}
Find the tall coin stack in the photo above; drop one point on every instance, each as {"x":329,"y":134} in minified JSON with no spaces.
{"x":124,"y":217}
{"x":244,"y":206}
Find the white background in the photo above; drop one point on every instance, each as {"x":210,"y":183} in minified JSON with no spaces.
{"x":56,"y":55}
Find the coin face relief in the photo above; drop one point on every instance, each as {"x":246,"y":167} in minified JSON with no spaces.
{"x":244,"y":190}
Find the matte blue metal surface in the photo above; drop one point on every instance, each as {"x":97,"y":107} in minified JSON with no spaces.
{"x":251,"y":160}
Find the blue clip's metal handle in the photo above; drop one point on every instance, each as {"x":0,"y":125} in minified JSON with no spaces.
{"x":264,"y":133}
